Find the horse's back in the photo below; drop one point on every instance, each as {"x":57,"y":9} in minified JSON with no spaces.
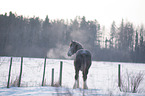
{"x":83,"y":52}
{"x":83,"y":58}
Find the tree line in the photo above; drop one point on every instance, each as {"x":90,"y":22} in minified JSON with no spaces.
{"x":34,"y":37}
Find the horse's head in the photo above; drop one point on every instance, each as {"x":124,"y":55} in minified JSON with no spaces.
{"x":74,"y":47}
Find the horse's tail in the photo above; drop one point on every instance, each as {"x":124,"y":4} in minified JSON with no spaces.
{"x":84,"y":63}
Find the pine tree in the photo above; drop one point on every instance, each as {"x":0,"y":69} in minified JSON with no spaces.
{"x":121,"y":35}
{"x":141,"y":36}
{"x":113,"y":35}
{"x":46,"y":33}
{"x":136,"y":41}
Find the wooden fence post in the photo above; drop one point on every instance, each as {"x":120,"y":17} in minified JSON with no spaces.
{"x":9,"y":73}
{"x":119,"y":76}
{"x":60,"y":77}
{"x":44,"y":72}
{"x":20,"y":72}
{"x":52,"y":81}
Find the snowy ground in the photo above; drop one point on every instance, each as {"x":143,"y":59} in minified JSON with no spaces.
{"x":102,"y":78}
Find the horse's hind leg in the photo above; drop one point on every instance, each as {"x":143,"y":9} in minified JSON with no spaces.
{"x":85,"y":73}
{"x":76,"y":85}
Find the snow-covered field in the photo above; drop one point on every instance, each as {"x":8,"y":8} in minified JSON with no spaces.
{"x":102,"y":78}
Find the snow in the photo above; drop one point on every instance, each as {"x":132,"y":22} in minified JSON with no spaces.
{"x":102,"y":78}
{"x":45,"y":91}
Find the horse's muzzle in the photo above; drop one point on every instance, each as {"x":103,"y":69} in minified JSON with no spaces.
{"x":68,"y":54}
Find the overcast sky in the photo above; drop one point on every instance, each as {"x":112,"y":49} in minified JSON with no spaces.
{"x":104,"y":11}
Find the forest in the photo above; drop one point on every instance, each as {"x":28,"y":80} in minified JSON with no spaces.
{"x":34,"y":37}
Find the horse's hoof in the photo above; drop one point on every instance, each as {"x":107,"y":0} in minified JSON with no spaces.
{"x":85,"y":85}
{"x":75,"y":86}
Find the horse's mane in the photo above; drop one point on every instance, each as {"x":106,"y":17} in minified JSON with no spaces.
{"x":78,"y":45}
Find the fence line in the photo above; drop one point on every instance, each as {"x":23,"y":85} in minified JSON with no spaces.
{"x":43,"y":78}
{"x":9,"y":73}
{"x":45,"y":62}
{"x":60,"y":77}
{"x":119,"y":76}
{"x":52,"y":80}
{"x":21,"y":68}
{"x":44,"y":72}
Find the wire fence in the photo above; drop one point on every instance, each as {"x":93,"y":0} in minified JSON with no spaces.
{"x":100,"y":73}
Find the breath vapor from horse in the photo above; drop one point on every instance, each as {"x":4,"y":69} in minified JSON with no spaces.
{"x":82,"y":62}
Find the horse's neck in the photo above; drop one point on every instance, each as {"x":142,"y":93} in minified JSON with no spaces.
{"x":79,"y":48}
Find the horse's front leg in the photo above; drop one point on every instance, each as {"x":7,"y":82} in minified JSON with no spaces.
{"x":76,"y":84}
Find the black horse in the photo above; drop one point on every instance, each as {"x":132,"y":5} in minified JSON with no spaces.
{"x":82,"y":62}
